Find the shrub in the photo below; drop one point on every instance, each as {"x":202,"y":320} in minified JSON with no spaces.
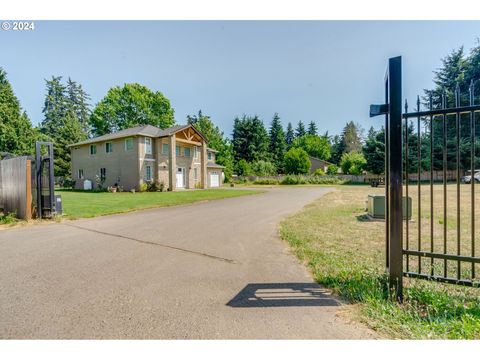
{"x":319,"y":172}
{"x":332,"y":169}
{"x":68,"y":183}
{"x":243,"y":168}
{"x":263,"y":168}
{"x":297,"y":162}
{"x":312,"y":179}
{"x":9,"y":218}
{"x":352,"y":163}
{"x":154,"y":186}
{"x":266,"y":182}
{"x":143,"y":187}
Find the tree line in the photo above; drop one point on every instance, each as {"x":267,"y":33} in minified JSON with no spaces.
{"x":252,"y":148}
{"x":458,"y":70}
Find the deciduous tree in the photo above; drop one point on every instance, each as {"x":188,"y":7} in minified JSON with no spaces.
{"x":128,"y":106}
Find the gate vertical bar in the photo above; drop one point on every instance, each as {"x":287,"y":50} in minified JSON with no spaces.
{"x":472,"y":165}
{"x":457,"y":119}
{"x":51,"y":180}
{"x":445,"y":168}
{"x":431,"y":184}
{"x":419,"y":161}
{"x":395,"y":218}
{"x":38,"y":174}
{"x":407,"y":229}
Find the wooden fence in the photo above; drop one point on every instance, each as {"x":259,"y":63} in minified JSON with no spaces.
{"x":16,"y":187}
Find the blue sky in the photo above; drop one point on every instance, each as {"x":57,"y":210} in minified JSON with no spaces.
{"x":325,"y":71}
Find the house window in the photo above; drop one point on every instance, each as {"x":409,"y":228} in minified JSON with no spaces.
{"x":108,"y":147}
{"x":103,"y":174}
{"x":148,"y":145}
{"x":209,"y":155}
{"x":93,"y":149}
{"x":177,"y":150}
{"x":80,"y":173}
{"x":195,"y":153}
{"x":195,"y":174}
{"x":128,"y":144}
{"x":186,"y":152}
{"x":165,"y":149}
{"x":148,"y":173}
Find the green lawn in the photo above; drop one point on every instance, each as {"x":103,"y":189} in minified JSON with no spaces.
{"x":347,"y":254}
{"x":81,"y":204}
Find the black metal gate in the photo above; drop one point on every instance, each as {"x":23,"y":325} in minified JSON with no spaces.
{"x":426,"y":160}
{"x":44,"y":195}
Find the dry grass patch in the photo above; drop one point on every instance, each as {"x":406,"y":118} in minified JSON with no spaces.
{"x":347,"y":254}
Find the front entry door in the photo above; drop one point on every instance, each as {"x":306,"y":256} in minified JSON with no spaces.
{"x":180,"y":177}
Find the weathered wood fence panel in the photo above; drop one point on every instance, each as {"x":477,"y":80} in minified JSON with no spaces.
{"x":15,"y":187}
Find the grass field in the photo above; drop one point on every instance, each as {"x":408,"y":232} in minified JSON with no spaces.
{"x":80,"y":204}
{"x":347,"y":253}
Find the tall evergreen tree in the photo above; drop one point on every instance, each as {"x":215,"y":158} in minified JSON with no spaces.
{"x":277,"y":143}
{"x":374,"y":151}
{"x":352,"y":137}
{"x":312,"y":128}
{"x":78,"y":102}
{"x":61,"y":123}
{"x":300,"y":130}
{"x":250,"y":139}
{"x":17,"y":135}
{"x":337,"y":149}
{"x":289,"y":135}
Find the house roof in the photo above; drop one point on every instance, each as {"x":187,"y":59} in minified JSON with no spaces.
{"x":211,"y":164}
{"x":141,"y":130}
{"x":325,"y":161}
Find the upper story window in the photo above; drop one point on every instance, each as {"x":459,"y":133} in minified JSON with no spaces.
{"x":165,"y":149}
{"x":186,"y":152}
{"x":177,"y":150}
{"x":128,"y":144}
{"x":80,"y":173}
{"x":108,"y":147}
{"x":93,"y":149}
{"x":209,"y":155}
{"x":195,"y":153}
{"x":148,"y":145}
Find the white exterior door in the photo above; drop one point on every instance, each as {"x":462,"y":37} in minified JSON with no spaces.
{"x":180,"y":177}
{"x":214,"y":179}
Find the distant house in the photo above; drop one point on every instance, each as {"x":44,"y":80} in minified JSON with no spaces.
{"x":178,"y":157}
{"x":318,"y":164}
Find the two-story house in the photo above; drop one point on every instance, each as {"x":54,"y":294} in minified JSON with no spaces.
{"x":178,"y":157}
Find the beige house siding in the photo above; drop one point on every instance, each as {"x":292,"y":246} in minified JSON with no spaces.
{"x":129,"y":168}
{"x":121,"y":165}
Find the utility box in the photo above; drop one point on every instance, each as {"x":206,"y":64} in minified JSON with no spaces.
{"x":58,"y":205}
{"x":376,"y":207}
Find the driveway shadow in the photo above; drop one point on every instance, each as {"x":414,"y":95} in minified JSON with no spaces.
{"x":282,"y":295}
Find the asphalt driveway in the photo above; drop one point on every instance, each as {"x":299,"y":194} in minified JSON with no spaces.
{"x":208,"y":270}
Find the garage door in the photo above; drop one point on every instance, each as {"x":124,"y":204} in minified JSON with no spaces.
{"x":214,"y":179}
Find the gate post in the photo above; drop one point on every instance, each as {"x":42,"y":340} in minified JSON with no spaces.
{"x":393,"y":188}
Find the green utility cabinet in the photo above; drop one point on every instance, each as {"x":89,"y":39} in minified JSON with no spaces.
{"x":376,"y":207}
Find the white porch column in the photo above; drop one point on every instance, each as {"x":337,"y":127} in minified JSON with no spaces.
{"x":203,"y":165}
{"x":172,"y":162}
